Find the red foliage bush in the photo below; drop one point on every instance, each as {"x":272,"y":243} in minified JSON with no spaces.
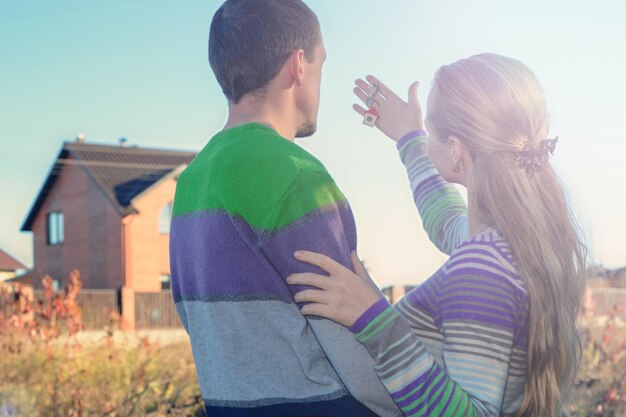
{"x":49,"y":370}
{"x":601,"y":383}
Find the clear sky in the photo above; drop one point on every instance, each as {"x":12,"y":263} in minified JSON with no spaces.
{"x":138,"y":69}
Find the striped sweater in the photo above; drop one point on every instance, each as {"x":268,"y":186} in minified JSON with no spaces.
{"x":243,"y":206}
{"x":456,"y":345}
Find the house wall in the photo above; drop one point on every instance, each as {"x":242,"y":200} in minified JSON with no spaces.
{"x":394,"y":293}
{"x":4,"y":275}
{"x":92,"y":229}
{"x":147,"y":250}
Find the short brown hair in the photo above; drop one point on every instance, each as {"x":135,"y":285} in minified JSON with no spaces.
{"x":251,"y":39}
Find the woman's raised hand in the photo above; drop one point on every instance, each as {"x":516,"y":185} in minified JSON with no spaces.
{"x":396,"y":117}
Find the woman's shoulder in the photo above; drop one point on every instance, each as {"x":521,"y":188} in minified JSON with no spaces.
{"x":484,"y":257}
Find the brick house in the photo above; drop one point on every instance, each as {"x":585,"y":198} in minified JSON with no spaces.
{"x":105,"y":210}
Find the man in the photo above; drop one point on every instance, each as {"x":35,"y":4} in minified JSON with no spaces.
{"x":250,"y":199}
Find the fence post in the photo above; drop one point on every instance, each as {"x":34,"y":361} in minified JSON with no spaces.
{"x":128,"y":307}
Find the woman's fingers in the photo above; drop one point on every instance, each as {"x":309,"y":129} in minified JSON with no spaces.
{"x":321,"y":310}
{"x":359,"y":268}
{"x":360,"y":94}
{"x":311,"y":296}
{"x":342,"y":297}
{"x":359,"y":109}
{"x":318,"y":259}
{"x":382,"y":88}
{"x":378,"y":99}
{"x":362,"y":84}
{"x":365,"y":87}
{"x":310,"y":279}
{"x":413,"y":92}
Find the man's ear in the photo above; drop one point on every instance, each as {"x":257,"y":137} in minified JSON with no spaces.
{"x":296,"y":64}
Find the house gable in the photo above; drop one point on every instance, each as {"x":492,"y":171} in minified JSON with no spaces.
{"x":121,"y":173}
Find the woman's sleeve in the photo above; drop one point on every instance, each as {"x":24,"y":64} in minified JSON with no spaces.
{"x":477,"y":312}
{"x":440,"y":205}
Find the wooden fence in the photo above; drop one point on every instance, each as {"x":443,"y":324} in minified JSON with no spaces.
{"x":95,"y":306}
{"x":155,"y":310}
{"x":152,"y":309}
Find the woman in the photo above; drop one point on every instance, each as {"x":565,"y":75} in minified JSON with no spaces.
{"x":493,"y":331}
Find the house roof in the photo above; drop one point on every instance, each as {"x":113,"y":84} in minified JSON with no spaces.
{"x":617,"y":273}
{"x":9,"y":263}
{"x":121,"y":172}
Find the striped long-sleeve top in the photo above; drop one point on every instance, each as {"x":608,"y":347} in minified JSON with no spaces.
{"x":456,"y":345}
{"x":243,"y":206}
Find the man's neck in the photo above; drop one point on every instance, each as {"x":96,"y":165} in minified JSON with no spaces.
{"x":273,"y":116}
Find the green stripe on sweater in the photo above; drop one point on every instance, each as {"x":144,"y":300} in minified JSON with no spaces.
{"x":449,"y":391}
{"x":457,"y":397}
{"x":247,"y":171}
{"x":427,"y":393}
{"x":376,"y":325}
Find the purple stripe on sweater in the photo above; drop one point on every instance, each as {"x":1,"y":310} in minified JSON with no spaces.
{"x":369,"y":315}
{"x":486,"y":240}
{"x":509,"y":314}
{"x":331,"y":232}
{"x":428,"y":297}
{"x":462,"y":309}
{"x":417,"y":296}
{"x":433,"y":182}
{"x":473,"y":275}
{"x":476,"y":286}
{"x":430,"y":182}
{"x":213,"y":254}
{"x":411,"y":135}
{"x":422,"y":379}
{"x":486,"y":299}
{"x":521,"y":342}
{"x":477,"y":275}
{"x":428,"y":398}
{"x":456,"y":262}
{"x":469,"y":309}
{"x":424,"y":192}
{"x":461,"y":269}
{"x":434,"y":403}
{"x":447,"y":405}
{"x":487,"y":258}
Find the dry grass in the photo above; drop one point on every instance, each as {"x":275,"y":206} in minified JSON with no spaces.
{"x":50,"y":367}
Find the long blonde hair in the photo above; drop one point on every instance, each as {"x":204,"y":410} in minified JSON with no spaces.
{"x":494,"y":105}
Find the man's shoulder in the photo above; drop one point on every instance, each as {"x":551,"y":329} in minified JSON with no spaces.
{"x":249,"y":171}
{"x":256,"y":152}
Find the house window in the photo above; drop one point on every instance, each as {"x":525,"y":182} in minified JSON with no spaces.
{"x":165,"y":219}
{"x":55,"y":228}
{"x":165,"y":282}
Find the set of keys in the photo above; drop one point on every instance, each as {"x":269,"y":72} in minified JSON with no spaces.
{"x":371,"y":115}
